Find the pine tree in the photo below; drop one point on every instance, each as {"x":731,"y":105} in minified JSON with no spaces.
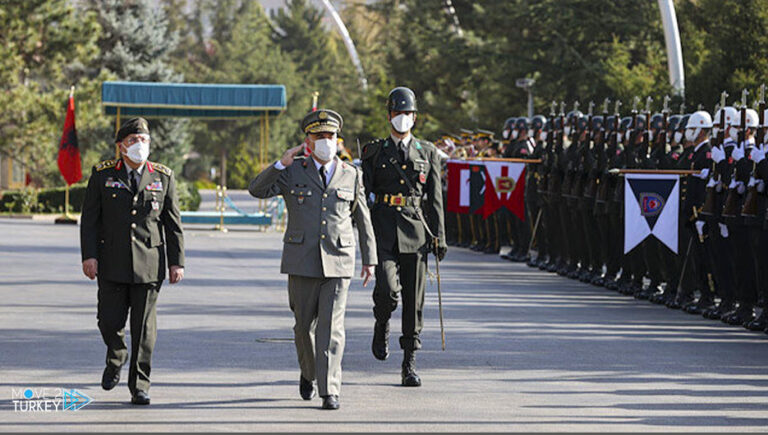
{"x":136,"y":46}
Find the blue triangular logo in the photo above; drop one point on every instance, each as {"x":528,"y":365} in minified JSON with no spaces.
{"x":75,"y":400}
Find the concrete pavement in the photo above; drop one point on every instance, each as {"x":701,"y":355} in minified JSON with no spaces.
{"x":527,"y":351}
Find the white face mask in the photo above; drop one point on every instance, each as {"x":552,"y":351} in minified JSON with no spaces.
{"x":505,"y":134}
{"x":626,"y":135}
{"x":691,"y":134}
{"x":715,"y":131}
{"x":733,"y":133}
{"x":325,"y":149}
{"x":138,"y":152}
{"x":515,"y":134}
{"x":678,"y":136}
{"x":567,"y":130}
{"x":403,"y":123}
{"x":543,"y":136}
{"x":530,"y":132}
{"x":618,"y":137}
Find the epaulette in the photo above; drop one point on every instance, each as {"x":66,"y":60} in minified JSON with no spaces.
{"x":371,"y":148}
{"x":106,"y":164}
{"x":159,"y":167}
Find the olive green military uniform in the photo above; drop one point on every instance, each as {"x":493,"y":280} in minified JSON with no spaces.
{"x":401,"y":239}
{"x":131,"y":232}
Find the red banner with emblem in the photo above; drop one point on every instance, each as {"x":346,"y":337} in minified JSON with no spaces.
{"x":503,"y":186}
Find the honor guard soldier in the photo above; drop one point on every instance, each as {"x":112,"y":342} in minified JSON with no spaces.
{"x":130,"y":230}
{"x":324,"y":195}
{"x":403,"y":174}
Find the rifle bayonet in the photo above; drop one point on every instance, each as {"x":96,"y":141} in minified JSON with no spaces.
{"x":635,"y":102}
{"x":590,"y":107}
{"x":648,"y":102}
{"x":665,"y":108}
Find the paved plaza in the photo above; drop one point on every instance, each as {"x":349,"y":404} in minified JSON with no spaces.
{"x":526,"y":350}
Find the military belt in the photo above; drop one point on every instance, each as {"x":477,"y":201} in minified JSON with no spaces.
{"x":398,"y":200}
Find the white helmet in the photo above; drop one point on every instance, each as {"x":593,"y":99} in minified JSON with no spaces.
{"x":699,"y":119}
{"x":730,"y":114}
{"x":752,"y":119}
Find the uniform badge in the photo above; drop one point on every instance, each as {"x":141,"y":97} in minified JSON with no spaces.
{"x":300,"y":200}
{"x":116,"y":184}
{"x":422,"y":178}
{"x":155,"y":205}
{"x":156,"y":186}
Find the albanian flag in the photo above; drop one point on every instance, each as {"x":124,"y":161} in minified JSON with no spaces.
{"x":69,"y":152}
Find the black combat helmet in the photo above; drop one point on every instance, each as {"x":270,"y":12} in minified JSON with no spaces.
{"x":639,"y":123}
{"x":657,"y":122}
{"x":581,"y":123}
{"x":597,"y":123}
{"x":683,"y":122}
{"x":509,"y":124}
{"x":538,"y":122}
{"x":625,"y":123}
{"x":610,"y":123}
{"x":672,"y":123}
{"x":401,"y":99}
{"x":521,"y":124}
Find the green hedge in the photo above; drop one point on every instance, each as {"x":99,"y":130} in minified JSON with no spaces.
{"x":52,"y":200}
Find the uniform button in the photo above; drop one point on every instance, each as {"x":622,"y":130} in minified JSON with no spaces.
{"x":322,"y":236}
{"x":324,"y":209}
{"x":133,"y":238}
{"x":324,"y":222}
{"x":135,"y":198}
{"x":402,"y":181}
{"x":399,"y":209}
{"x":404,"y":167}
{"x":133,"y":212}
{"x":114,"y":195}
{"x":133,"y":225}
{"x":325,"y":195}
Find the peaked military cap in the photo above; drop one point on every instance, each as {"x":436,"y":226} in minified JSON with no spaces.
{"x":322,"y":121}
{"x":466,"y":133}
{"x":132,"y":126}
{"x":483,"y":133}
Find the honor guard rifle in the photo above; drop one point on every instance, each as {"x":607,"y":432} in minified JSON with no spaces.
{"x":732,"y":208}
{"x":750,"y":203}
{"x":708,"y":208}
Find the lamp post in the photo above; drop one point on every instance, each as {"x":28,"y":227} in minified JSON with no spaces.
{"x":527,"y":84}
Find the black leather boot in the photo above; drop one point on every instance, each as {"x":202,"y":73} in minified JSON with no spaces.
{"x":409,"y":376}
{"x":380,"y":344}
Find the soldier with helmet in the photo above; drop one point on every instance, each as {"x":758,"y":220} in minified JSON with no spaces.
{"x":403,"y":175}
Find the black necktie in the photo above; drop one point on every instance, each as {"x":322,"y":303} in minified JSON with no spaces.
{"x":322,"y":175}
{"x":402,"y":147}
{"x":134,"y":181}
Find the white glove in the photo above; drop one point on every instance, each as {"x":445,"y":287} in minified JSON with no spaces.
{"x":712,"y":182}
{"x":723,"y":231}
{"x":760,"y":186}
{"x":704,"y":174}
{"x":699,"y":227}
{"x":738,"y":152}
{"x":718,"y":154}
{"x":758,"y":154}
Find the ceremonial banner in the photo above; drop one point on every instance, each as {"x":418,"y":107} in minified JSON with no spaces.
{"x":651,"y":207}
{"x":69,"y":151}
{"x":483,"y":187}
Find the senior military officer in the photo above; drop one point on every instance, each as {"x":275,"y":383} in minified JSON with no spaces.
{"x":323,"y":195}
{"x":403,"y":173}
{"x":130,"y":223}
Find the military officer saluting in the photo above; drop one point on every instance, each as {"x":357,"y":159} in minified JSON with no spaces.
{"x":403,"y":174}
{"x":324,"y":195}
{"x":130,"y":230}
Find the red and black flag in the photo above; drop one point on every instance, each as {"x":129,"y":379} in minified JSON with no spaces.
{"x":69,"y":151}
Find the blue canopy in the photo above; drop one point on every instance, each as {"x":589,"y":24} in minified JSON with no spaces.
{"x":191,"y":100}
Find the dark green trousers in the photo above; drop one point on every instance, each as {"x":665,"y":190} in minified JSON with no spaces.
{"x":404,"y":275}
{"x":115,"y":302}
